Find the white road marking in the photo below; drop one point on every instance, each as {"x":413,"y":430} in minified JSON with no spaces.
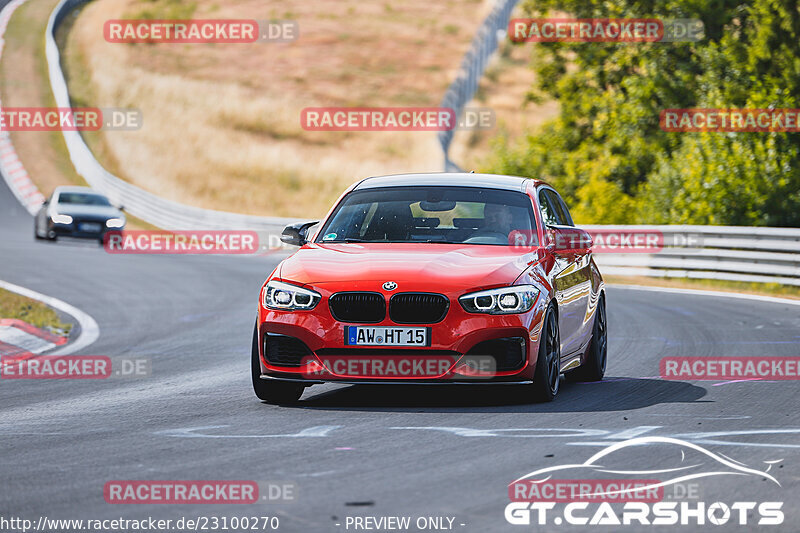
{"x":316,"y":431}
{"x":631,"y":433}
{"x":535,"y":432}
{"x":697,"y":438}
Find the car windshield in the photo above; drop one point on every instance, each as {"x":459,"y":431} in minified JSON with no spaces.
{"x":82,"y":198}
{"x":467,"y":215}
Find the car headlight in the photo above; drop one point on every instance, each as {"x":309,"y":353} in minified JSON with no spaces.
{"x":61,"y":219}
{"x":502,"y":301}
{"x":115,"y":222}
{"x":280,"y":295}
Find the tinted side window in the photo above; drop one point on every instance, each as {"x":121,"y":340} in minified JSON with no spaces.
{"x":558,"y":209}
{"x":566,"y":216}
{"x":548,"y":211}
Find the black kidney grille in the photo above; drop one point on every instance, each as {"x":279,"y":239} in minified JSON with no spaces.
{"x":418,"y":308}
{"x":362,"y":307}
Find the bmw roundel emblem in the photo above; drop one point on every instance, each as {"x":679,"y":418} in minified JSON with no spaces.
{"x":389,"y":286}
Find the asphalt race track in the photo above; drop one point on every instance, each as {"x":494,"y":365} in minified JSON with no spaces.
{"x":350,"y":451}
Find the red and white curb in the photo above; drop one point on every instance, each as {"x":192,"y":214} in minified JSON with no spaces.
{"x":21,"y":340}
{"x":18,"y":338}
{"x":11,"y":167}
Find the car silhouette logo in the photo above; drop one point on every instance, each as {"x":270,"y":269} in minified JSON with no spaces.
{"x":695,"y":462}
{"x":389,"y":286}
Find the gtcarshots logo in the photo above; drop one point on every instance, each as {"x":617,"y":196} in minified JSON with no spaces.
{"x":636,"y":495}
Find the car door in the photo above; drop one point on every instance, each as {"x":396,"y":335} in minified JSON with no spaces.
{"x":572,"y":279}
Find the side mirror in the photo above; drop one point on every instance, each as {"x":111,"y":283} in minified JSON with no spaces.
{"x":121,"y":207}
{"x":567,"y":239}
{"x":296,"y":234}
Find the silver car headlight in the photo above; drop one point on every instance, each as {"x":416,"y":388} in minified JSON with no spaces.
{"x":115,"y":222}
{"x":502,"y":301}
{"x":61,"y":219}
{"x":287,"y":297}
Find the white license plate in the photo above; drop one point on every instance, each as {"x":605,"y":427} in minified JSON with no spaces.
{"x":386,"y":336}
{"x":89,"y":226}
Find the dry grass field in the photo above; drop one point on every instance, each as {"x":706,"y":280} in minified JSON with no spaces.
{"x":221,"y":121}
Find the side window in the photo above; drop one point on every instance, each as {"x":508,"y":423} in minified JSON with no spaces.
{"x":548,"y":212}
{"x":557,"y":208}
{"x":564,"y":210}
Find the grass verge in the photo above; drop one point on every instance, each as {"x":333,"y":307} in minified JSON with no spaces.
{"x":13,"y":305}
{"x":763,"y":289}
{"x":24,"y":82}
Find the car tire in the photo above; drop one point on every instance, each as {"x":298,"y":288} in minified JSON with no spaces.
{"x":594,"y":368}
{"x":547,"y":377}
{"x":274,"y":392}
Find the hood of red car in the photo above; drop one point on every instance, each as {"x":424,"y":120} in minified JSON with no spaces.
{"x":423,"y":266}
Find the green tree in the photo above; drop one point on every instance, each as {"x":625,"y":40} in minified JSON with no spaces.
{"x":606,"y":151}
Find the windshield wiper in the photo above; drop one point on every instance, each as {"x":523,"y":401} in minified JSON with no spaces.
{"x":444,"y":241}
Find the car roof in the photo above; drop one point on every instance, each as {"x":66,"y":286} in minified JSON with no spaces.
{"x":75,"y":188}
{"x":448,"y":179}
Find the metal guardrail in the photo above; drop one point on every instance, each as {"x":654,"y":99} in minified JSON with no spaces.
{"x":734,"y":253}
{"x":152,"y":209}
{"x":737,"y":253}
{"x":174,"y":215}
{"x":461,"y":91}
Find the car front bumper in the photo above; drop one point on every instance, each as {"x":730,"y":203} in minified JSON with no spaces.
{"x":314,"y":338}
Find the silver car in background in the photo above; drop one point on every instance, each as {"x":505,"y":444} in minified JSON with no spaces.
{"x":77,"y":212}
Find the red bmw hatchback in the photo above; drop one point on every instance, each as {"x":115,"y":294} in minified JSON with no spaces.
{"x":433,"y":279}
